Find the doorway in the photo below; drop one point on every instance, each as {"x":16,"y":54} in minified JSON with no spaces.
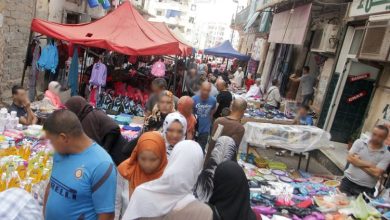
{"x":354,"y":101}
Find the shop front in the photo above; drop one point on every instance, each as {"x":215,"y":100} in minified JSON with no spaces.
{"x":354,"y":101}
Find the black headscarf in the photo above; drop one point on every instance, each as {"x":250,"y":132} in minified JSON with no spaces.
{"x":231,"y":193}
{"x":96,"y":124}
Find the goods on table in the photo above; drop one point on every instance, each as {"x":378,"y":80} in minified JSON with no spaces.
{"x":297,"y":138}
{"x":24,"y":163}
{"x":8,"y":120}
{"x":298,"y":195}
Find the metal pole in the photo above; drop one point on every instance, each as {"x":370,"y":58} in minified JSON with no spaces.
{"x":83,"y":64}
{"x":175,"y":76}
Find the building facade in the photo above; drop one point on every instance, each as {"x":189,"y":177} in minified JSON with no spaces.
{"x":178,"y":15}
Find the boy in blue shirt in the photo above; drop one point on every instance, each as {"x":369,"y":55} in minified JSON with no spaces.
{"x":83,"y":180}
{"x":303,"y":117}
{"x":204,"y":108}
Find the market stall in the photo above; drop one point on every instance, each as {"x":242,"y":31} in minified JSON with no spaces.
{"x":226,"y":50}
{"x":277,"y":193}
{"x":123,"y":30}
{"x":117,"y":64}
{"x":25,"y":158}
{"x":296,"y":138}
{"x":257,"y":112}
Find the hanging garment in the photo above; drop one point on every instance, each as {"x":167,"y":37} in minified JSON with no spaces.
{"x":62,"y":78}
{"x":32,"y":83}
{"x":49,"y":58}
{"x":92,"y":96}
{"x":158,"y":69}
{"x":105,"y":3}
{"x":93,"y":3}
{"x":74,"y":73}
{"x":99,"y":74}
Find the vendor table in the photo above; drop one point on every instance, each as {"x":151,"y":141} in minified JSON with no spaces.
{"x":266,"y":120}
{"x":296,"y":138}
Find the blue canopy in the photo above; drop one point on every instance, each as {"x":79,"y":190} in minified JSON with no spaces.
{"x":226,"y":50}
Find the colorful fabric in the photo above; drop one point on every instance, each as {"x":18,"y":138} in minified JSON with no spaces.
{"x":158,"y":69}
{"x":225,"y":149}
{"x":173,"y":188}
{"x":49,"y":58}
{"x":130,"y":168}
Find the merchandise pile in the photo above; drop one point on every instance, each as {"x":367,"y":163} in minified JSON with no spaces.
{"x":278,"y":193}
{"x":268,"y":114}
{"x":25,"y":159}
{"x":115,"y":105}
{"x":8,"y":120}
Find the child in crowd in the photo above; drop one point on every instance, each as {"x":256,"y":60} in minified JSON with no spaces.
{"x":303,"y":117}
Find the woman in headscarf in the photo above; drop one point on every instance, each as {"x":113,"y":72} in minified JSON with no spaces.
{"x":185,"y":106}
{"x":174,"y":130}
{"x":100,"y":128}
{"x":164,"y":106}
{"x":146,"y":163}
{"x":224,"y":150}
{"x":170,"y":196}
{"x":230,"y":199}
{"x":52,"y":95}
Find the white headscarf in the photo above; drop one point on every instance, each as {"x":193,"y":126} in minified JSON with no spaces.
{"x":173,"y":190}
{"x":172,"y":117}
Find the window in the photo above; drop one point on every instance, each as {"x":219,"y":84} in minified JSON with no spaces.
{"x":356,"y":41}
{"x":376,"y":42}
{"x":191,"y":20}
{"x":159,"y":12}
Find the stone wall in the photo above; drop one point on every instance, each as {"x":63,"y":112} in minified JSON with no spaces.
{"x":14,"y":36}
{"x":15,"y":21}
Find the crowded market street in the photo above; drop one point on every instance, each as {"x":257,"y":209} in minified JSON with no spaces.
{"x":194,"y":110}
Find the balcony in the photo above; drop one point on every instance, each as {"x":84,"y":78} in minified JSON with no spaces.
{"x":240,"y":20}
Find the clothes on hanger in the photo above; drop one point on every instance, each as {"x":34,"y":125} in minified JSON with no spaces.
{"x":74,"y":73}
{"x":49,"y":58}
{"x":32,"y":83}
{"x":99,"y":75}
{"x":158,"y":69}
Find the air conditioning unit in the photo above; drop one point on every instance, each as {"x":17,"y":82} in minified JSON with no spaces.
{"x":325,"y":39}
{"x":376,"y":41}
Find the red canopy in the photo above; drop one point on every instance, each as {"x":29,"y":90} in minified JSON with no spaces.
{"x":124,"y":30}
{"x":184,"y":48}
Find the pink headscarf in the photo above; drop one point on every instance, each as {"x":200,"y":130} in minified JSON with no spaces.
{"x":52,"y":94}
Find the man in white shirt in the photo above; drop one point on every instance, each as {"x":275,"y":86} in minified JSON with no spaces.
{"x":256,"y":89}
{"x":273,"y":95}
{"x":238,"y":77}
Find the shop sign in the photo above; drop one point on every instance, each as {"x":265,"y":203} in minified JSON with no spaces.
{"x":368,"y":7}
{"x":359,"y":77}
{"x":357,"y":96}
